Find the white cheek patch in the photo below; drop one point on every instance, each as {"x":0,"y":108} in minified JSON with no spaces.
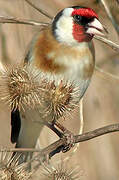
{"x":64,"y":28}
{"x":67,"y":12}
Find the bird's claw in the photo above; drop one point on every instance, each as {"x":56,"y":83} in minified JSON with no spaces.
{"x":70,"y":141}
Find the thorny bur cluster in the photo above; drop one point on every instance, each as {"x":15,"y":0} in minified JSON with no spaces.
{"x":23,"y":86}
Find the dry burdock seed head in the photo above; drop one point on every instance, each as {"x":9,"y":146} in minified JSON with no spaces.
{"x":60,"y":98}
{"x":49,"y":172}
{"x":19,"y":88}
{"x":10,"y":170}
{"x":23,"y":86}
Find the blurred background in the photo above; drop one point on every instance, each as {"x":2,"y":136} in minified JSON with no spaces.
{"x":99,"y":157}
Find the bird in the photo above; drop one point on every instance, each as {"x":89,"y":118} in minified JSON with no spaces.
{"x":62,"y":49}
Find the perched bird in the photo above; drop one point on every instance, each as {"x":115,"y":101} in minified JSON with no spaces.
{"x":63,"y":50}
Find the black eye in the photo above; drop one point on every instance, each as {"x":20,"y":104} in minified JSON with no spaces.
{"x":82,"y":20}
{"x":77,"y":18}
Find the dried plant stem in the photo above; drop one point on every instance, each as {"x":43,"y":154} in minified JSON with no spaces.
{"x":97,"y":132}
{"x":117,"y":1}
{"x":83,"y":137}
{"x":106,"y":75}
{"x":39,"y":10}
{"x":116,"y":26}
{"x":108,"y":42}
{"x":19,"y":150}
{"x":14,"y":20}
{"x":4,"y":19}
{"x":5,"y":60}
{"x":81,"y":117}
{"x":80,"y":130}
{"x":61,"y":142}
{"x":81,"y":124}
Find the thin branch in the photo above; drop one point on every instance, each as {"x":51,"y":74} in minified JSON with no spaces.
{"x":97,"y":132}
{"x":81,"y":117}
{"x":80,"y":138}
{"x":5,"y":60}
{"x":81,"y":124}
{"x":14,"y":20}
{"x":39,"y":10}
{"x":117,"y":1}
{"x":106,"y":75}
{"x":61,"y":142}
{"x":108,"y":42}
{"x":19,"y":150}
{"x":81,"y":128}
{"x":116,"y":26}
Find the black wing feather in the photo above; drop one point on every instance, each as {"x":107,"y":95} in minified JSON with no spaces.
{"x":16,"y":125}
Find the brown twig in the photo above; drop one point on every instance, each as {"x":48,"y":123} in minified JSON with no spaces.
{"x":81,"y":128}
{"x":80,"y":138}
{"x":116,"y":26}
{"x":5,"y":60}
{"x":39,"y":10}
{"x":61,"y":142}
{"x":97,"y":132}
{"x":14,"y":20}
{"x":106,"y":75}
{"x":117,"y":1}
{"x":19,"y":150}
{"x":108,"y":42}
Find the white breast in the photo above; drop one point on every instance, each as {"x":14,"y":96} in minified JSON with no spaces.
{"x":75,"y":66}
{"x":74,"y":63}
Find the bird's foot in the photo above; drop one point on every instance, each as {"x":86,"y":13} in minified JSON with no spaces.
{"x":62,"y":132}
{"x":70,"y":140}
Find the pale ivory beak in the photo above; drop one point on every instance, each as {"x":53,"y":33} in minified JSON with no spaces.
{"x":96,"y":28}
